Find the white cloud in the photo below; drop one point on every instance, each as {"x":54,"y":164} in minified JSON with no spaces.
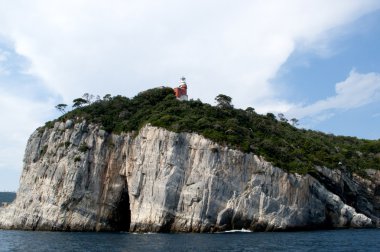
{"x":19,"y":117}
{"x":356,"y":91}
{"x":123,"y":47}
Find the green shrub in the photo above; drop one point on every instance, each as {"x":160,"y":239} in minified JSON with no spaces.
{"x":49,"y":124}
{"x":83,"y":148}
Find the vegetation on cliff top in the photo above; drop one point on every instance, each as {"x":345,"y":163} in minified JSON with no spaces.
{"x":293,"y":149}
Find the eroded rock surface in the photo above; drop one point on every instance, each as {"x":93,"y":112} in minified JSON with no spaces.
{"x":78,"y":177}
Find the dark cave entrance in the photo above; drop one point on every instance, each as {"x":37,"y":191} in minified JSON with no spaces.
{"x":121,"y":220}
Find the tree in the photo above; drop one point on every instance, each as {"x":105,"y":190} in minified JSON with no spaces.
{"x":78,"y":102}
{"x":88,"y":97}
{"x":97,"y":99}
{"x":61,"y":107}
{"x":223,"y":101}
{"x":294,"y":121}
{"x":250,"y":110}
{"x":107,"y":97}
{"x":282,"y":117}
{"x":271,"y":116}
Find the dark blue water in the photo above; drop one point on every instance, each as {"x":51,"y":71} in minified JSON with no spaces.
{"x":340,"y":240}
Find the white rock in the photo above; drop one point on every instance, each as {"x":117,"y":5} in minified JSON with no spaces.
{"x":360,"y":221}
{"x":155,"y":182}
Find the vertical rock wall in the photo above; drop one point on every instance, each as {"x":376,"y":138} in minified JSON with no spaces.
{"x":78,"y":177}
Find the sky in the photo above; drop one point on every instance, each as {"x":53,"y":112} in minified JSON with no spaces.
{"x":314,"y":60}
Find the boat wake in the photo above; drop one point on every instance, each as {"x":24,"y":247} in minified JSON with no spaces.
{"x":237,"y":231}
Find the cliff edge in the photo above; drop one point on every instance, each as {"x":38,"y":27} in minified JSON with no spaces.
{"x":77,"y":177}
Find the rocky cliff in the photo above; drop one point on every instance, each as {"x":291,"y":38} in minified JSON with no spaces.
{"x":78,"y":177}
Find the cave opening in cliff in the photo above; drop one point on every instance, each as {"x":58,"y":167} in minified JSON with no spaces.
{"x":122,"y":214}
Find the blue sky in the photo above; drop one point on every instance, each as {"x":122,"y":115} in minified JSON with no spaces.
{"x":317,"y":61}
{"x":310,"y":76}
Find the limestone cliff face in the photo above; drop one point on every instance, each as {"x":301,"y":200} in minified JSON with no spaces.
{"x":78,"y":177}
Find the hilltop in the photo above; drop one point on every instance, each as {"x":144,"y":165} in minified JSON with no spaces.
{"x":290,"y":148}
{"x":154,"y":163}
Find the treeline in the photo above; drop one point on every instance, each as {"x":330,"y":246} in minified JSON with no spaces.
{"x":295,"y":150}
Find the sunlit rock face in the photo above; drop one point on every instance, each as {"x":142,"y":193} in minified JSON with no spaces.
{"x":78,"y":177}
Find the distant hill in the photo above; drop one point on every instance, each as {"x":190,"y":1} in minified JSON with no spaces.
{"x":7,"y":197}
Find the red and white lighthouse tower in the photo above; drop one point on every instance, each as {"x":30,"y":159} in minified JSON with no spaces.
{"x":181,"y":91}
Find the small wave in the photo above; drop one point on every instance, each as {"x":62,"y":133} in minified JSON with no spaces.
{"x":148,"y":233}
{"x":238,"y":231}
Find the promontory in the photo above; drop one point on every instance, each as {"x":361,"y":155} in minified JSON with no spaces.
{"x":155,"y":163}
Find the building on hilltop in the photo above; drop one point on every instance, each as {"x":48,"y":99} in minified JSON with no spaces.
{"x":181,"y":91}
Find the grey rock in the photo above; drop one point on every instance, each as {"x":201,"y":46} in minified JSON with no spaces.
{"x":61,"y":126}
{"x":360,"y":221}
{"x":69,"y":124}
{"x":102,"y":133}
{"x":165,"y":181}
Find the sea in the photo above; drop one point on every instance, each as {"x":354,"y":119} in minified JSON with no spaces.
{"x":238,"y":240}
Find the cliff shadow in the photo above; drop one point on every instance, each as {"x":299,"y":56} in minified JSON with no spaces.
{"x":121,"y":220}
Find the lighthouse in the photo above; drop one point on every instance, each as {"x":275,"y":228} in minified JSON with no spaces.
{"x":181,"y":90}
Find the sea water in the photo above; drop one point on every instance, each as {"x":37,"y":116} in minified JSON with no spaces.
{"x":337,"y":240}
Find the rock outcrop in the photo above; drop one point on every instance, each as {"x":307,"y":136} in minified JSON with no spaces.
{"x":79,"y":177}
